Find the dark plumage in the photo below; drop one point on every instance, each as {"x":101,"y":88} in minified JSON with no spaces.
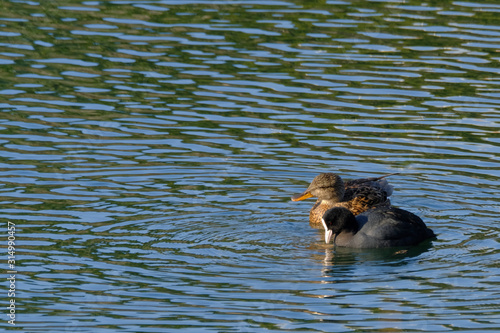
{"x":376,"y":228}
{"x":356,"y":195}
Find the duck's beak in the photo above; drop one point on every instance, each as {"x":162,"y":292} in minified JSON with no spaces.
{"x":302,"y":196}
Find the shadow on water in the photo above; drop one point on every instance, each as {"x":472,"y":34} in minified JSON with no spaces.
{"x":396,"y":256}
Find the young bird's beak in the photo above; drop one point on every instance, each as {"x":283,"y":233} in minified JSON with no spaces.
{"x":328,"y":232}
{"x":328,"y":236}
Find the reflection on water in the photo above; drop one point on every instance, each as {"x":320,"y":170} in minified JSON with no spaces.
{"x":149,"y":151}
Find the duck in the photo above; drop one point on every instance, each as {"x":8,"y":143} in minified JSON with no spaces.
{"x":357,"y":195}
{"x":380,"y":227}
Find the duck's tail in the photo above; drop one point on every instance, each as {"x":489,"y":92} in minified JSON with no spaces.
{"x":382,"y":177}
{"x":384,"y":184}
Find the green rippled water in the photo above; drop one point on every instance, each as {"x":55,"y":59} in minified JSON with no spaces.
{"x":148,"y":152}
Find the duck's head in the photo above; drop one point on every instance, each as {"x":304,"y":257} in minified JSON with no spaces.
{"x":337,"y":220}
{"x":325,"y":186}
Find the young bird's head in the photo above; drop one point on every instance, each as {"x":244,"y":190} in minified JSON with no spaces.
{"x":336,"y":220}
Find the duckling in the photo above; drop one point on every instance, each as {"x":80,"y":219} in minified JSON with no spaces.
{"x":356,"y":195}
{"x":375,"y":228}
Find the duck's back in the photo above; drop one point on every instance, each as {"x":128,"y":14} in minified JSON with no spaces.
{"x":376,"y":188}
{"x":389,"y":227}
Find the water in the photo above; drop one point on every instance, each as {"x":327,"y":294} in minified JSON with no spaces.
{"x":150,"y":149}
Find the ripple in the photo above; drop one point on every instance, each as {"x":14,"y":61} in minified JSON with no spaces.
{"x":149,"y":152}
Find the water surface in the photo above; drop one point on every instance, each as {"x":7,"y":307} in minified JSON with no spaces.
{"x":149,"y":151}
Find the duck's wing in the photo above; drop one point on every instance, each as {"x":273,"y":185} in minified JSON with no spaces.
{"x":364,"y":194}
{"x":375,"y":189}
{"x":365,"y":200}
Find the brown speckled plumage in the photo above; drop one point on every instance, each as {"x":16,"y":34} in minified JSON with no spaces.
{"x":356,"y":195}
